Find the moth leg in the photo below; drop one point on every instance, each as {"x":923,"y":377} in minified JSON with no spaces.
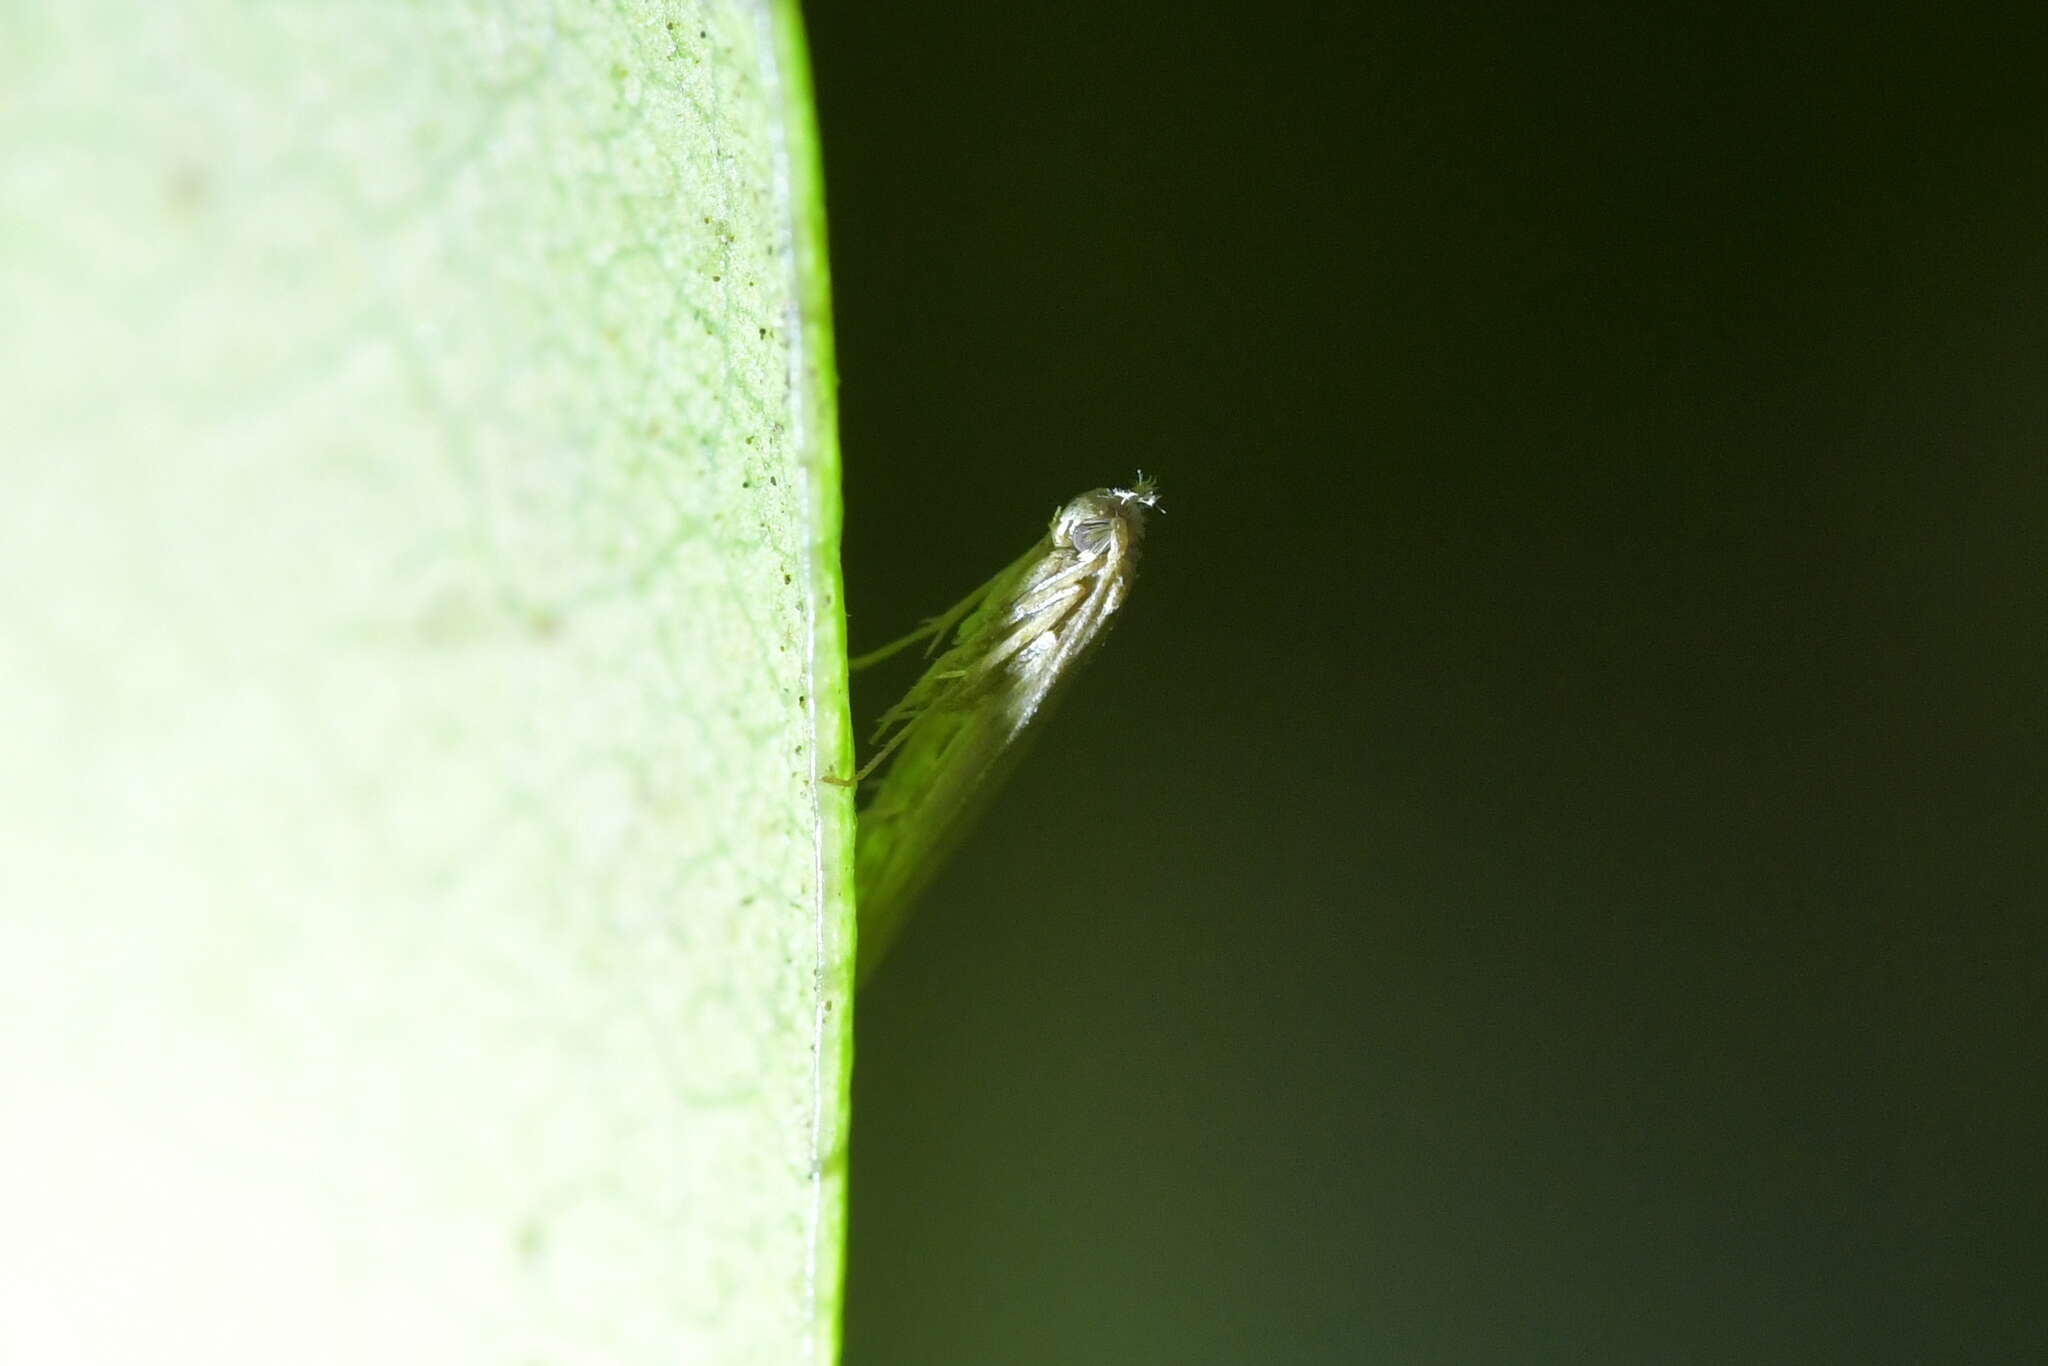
{"x":1054,"y":588}
{"x":903,"y":717}
{"x":914,"y":703}
{"x":1020,"y":643}
{"x":1026,"y":634}
{"x":1064,"y":580}
{"x":874,"y":760}
{"x":1032,"y":608}
{"x":936,"y":628}
{"x":929,"y":629}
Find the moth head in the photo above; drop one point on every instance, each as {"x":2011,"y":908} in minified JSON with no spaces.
{"x":1105,"y":518}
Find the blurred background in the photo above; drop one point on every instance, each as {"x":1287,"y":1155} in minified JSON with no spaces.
{"x":1550,"y":865}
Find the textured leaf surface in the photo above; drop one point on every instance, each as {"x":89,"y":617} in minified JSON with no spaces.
{"x":422,"y":933}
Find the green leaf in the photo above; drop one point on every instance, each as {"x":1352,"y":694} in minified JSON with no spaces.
{"x":423,"y":934}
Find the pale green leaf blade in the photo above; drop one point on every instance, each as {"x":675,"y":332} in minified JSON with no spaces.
{"x":423,"y":936}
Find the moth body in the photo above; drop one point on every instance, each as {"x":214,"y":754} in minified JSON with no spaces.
{"x":1010,"y":647}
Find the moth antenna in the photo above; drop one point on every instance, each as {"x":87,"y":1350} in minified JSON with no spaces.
{"x":1145,"y":491}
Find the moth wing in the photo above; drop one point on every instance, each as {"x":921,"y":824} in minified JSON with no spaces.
{"x":951,"y":762}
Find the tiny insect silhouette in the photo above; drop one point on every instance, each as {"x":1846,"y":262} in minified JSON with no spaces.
{"x":1010,"y":647}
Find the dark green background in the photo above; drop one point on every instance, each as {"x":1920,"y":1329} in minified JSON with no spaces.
{"x":1550,"y":866}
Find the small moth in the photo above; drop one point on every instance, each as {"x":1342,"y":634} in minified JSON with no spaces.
{"x":1015,"y":642}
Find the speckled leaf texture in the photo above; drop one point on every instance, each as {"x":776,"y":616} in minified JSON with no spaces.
{"x":423,"y":933}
